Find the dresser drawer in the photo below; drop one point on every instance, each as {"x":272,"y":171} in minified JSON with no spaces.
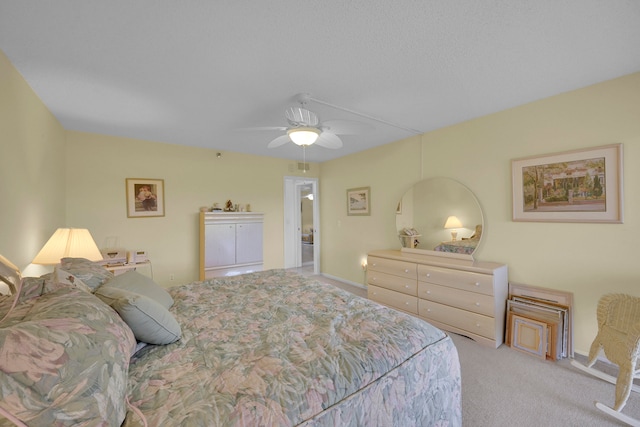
{"x":393,"y":299}
{"x":462,"y":319}
{"x":471,"y":301}
{"x":391,"y":266}
{"x":465,"y":280}
{"x":395,"y":283}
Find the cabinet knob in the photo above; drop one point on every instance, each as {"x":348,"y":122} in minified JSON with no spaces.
{"x":428,"y":274}
{"x":428,"y":310}
{"x":406,"y":303}
{"x":406,"y":270}
{"x":478,"y":325}
{"x":406,"y":286}
{"x":477,"y":304}
{"x":477,"y":283}
{"x":374,"y":264}
{"x":428,"y":292}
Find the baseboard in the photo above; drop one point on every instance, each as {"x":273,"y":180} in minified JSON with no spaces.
{"x":340,"y":279}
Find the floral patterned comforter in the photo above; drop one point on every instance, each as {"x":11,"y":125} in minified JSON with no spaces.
{"x":275,"y":348}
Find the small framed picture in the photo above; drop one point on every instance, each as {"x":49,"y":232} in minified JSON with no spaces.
{"x":359,"y":201}
{"x":145,"y":197}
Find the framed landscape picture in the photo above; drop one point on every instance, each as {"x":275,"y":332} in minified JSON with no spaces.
{"x":145,"y":197}
{"x":574,"y":186}
{"x":359,"y":201}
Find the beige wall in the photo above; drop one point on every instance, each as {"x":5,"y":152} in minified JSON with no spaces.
{"x":32,"y":180}
{"x":98,"y":166}
{"x":51,"y":178}
{"x":586,"y":259}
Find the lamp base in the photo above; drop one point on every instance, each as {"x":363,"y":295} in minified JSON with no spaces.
{"x":454,"y":236}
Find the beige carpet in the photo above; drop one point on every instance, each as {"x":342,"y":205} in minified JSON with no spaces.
{"x":504,"y":387}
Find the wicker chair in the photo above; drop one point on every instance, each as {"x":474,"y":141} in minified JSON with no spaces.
{"x":619,"y":337}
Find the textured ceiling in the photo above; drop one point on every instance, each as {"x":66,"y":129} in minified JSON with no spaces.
{"x":195,"y":72}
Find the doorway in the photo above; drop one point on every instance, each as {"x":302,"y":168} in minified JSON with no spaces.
{"x":301,"y":224}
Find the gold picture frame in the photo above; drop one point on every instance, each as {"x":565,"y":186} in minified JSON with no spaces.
{"x":574,"y":186}
{"x":145,"y":197}
{"x":359,"y":201}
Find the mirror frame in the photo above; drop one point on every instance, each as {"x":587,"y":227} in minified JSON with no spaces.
{"x":452,"y":198}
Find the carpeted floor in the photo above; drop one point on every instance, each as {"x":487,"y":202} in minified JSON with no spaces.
{"x":504,"y":387}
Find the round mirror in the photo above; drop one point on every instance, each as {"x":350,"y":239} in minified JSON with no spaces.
{"x":439,"y":215}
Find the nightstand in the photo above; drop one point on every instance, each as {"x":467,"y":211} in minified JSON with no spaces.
{"x":142,"y":267}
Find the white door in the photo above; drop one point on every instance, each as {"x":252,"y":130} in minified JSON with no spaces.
{"x":293,"y":222}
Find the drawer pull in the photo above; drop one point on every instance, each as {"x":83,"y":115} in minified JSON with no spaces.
{"x":406,"y":286}
{"x":428,"y":274}
{"x":374,"y":264}
{"x":477,"y":283}
{"x":428,"y":292}
{"x":478,"y":325}
{"x":406,"y":270}
{"x":406,"y":303}
{"x":477,"y":304}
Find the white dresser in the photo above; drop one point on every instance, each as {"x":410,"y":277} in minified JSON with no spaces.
{"x":457,"y":295}
{"x":230,"y":243}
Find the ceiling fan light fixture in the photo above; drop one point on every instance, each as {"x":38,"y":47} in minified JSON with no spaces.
{"x":303,"y":135}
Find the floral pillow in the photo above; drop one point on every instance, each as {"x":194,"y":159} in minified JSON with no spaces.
{"x":70,"y":348}
{"x":63,"y":278}
{"x":88,"y":272}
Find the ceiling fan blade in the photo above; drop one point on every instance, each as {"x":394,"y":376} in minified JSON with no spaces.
{"x":297,"y":116}
{"x":263,"y":128}
{"x":281,"y":140}
{"x":329,"y":140}
{"x":346,"y":127}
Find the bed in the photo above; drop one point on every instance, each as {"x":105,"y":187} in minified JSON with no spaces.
{"x":458,"y":247}
{"x":260,"y":349}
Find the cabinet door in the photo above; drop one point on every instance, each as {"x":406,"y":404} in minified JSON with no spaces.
{"x":220,"y":245}
{"x":248,"y":243}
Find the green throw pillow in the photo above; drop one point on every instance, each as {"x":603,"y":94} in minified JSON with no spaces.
{"x":140,"y":284}
{"x":150,"y":321}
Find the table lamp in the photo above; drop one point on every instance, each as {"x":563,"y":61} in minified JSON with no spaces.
{"x":68,"y":242}
{"x":452,"y":223}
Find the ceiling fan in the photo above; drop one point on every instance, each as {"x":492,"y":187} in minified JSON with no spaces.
{"x":306,"y":129}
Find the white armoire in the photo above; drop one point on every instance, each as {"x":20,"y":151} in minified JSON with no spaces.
{"x":230,"y":243}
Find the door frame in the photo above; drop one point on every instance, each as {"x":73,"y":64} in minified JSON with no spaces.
{"x":292,"y":222}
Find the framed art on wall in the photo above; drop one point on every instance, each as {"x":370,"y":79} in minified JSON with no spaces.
{"x":359,"y":201}
{"x":574,"y":186}
{"x":145,"y":197}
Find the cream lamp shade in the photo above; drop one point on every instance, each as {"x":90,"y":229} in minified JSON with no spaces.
{"x":303,"y":135}
{"x":452,"y":223}
{"x":68,"y":242}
